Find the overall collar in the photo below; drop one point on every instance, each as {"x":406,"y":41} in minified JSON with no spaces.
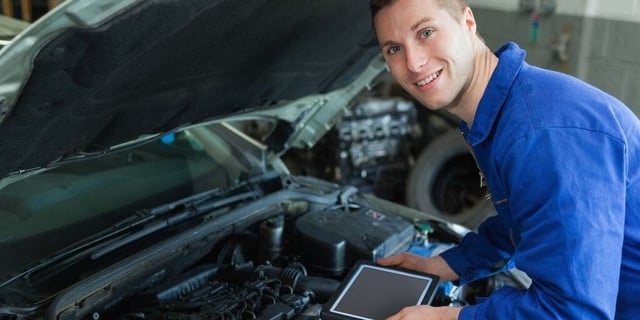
{"x":511,"y":58}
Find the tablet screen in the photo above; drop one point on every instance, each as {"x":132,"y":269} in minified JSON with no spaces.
{"x":376,"y":292}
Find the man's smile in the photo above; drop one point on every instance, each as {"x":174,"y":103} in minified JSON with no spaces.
{"x":428,"y":79}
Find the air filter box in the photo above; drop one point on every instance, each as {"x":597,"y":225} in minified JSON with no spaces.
{"x":330,"y":242}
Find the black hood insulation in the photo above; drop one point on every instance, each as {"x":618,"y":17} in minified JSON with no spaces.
{"x":166,"y":63}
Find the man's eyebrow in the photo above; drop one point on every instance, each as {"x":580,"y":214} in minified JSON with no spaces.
{"x":387,"y":43}
{"x":417,"y":24}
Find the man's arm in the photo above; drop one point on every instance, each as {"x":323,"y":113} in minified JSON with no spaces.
{"x":481,"y":254}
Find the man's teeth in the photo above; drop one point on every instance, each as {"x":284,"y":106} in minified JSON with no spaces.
{"x":430,"y":78}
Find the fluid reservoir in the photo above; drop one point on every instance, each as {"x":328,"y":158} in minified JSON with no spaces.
{"x":271,"y":231}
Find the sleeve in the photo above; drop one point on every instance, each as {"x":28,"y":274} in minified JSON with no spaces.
{"x":481,"y":254}
{"x":567,"y":203}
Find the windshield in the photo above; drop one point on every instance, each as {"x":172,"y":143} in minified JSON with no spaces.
{"x":44,"y":213}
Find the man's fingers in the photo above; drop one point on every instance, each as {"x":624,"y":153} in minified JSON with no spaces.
{"x":394,"y":317}
{"x":391,"y":261}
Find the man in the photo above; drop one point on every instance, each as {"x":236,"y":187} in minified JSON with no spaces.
{"x":561,"y":162}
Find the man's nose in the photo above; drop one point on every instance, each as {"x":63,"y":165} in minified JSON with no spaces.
{"x":416,"y":59}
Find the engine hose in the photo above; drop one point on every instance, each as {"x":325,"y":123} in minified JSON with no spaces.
{"x":320,"y":288}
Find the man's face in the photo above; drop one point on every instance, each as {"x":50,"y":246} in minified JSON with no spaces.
{"x":429,"y":51}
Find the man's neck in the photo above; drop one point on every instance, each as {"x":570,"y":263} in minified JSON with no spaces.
{"x":485,"y":63}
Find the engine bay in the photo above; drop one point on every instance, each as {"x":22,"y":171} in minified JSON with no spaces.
{"x":285,"y":266}
{"x":275,"y":248}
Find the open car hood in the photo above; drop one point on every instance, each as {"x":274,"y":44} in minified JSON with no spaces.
{"x":94,"y":74}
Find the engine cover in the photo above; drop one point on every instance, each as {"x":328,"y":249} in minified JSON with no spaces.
{"x":331,"y":241}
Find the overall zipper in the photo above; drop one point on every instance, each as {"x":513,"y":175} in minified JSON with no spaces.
{"x":483,"y":180}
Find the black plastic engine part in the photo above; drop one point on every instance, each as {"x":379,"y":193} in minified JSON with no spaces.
{"x":339,"y":238}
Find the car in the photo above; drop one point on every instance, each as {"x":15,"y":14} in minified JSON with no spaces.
{"x":143,"y":165}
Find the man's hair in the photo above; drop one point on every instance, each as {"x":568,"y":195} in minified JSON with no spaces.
{"x":455,"y":7}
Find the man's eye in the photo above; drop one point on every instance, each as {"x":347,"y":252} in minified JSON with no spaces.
{"x":393,"y":50}
{"x":426,"y":33}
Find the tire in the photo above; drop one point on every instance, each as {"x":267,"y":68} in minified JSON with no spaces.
{"x":445,"y":183}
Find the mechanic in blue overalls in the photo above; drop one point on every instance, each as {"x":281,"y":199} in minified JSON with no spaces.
{"x":561,"y":160}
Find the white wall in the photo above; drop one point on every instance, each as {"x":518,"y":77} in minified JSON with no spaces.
{"x":508,"y":5}
{"x":619,"y":9}
{"x":573,"y":7}
{"x":626,"y":10}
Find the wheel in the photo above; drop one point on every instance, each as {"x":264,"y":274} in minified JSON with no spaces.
{"x":445,"y":183}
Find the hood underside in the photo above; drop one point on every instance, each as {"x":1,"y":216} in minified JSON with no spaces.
{"x":160,"y":64}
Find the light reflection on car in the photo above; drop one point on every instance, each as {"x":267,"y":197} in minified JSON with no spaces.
{"x":9,"y":28}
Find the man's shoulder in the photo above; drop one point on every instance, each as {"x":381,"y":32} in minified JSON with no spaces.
{"x":512,"y":59}
{"x":553,"y":85}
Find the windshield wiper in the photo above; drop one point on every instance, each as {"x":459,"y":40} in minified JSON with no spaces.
{"x":146,"y":222}
{"x":184,"y":215}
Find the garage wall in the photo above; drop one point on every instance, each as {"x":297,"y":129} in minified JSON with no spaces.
{"x":595,"y":40}
{"x":618,"y":9}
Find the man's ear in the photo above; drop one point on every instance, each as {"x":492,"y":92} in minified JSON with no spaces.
{"x":469,"y":20}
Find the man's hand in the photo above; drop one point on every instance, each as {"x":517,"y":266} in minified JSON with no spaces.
{"x":427,"y":313}
{"x":434,"y":265}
